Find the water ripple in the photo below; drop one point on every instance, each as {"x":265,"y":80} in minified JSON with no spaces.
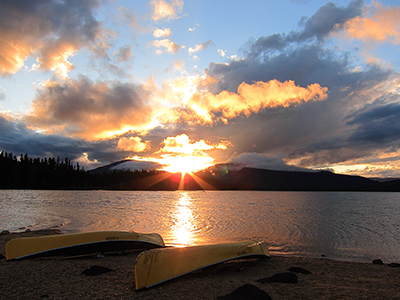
{"x":346,"y":226}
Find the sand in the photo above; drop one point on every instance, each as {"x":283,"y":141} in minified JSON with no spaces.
{"x":55,"y":278}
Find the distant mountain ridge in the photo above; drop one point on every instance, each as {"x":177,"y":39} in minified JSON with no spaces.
{"x":236,"y":177}
{"x":126,"y":165}
{"x":263,"y":179}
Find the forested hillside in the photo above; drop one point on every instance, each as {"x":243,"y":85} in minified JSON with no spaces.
{"x":23,"y":172}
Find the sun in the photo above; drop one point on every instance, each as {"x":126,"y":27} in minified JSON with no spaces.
{"x":180,"y":154}
{"x":186,"y":163}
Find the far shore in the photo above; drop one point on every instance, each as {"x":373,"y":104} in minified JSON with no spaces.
{"x":56,"y":278}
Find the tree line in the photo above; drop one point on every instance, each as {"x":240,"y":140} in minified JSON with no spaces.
{"x":24,"y":172}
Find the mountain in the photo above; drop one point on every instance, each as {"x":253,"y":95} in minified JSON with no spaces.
{"x":234,"y":177}
{"x":271,"y":180}
{"x":126,"y":165}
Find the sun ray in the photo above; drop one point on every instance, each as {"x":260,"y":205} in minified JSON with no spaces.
{"x":204,"y":185}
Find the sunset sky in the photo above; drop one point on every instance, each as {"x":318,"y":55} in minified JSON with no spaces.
{"x":283,"y":85}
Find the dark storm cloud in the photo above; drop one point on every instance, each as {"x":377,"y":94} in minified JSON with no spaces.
{"x":327,"y":19}
{"x":361,"y":133}
{"x":377,"y":123}
{"x":18,"y":139}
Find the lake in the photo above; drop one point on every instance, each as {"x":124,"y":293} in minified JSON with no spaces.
{"x":347,"y":226}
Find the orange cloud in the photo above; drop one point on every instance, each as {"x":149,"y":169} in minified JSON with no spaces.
{"x":251,"y":98}
{"x":55,"y":57}
{"x":13,"y":55}
{"x":90,"y":110}
{"x":50,"y":33}
{"x":133,"y":144}
{"x":382,"y":26}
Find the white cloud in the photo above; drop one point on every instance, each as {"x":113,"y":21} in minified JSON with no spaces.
{"x":168,"y":46}
{"x":166,"y":10}
{"x":157,"y":33}
{"x":202,"y":46}
{"x":221,"y":52}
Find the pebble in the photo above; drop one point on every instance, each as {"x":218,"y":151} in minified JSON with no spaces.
{"x":394,"y":265}
{"x":377,"y":262}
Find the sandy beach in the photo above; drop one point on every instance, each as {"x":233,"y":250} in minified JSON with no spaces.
{"x":56,"y":278}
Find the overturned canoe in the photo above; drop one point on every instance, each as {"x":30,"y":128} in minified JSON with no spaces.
{"x":159,"y":265}
{"x":81,"y":244}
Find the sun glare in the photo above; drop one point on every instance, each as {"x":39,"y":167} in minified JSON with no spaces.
{"x":183,"y":227}
{"x":180,"y":154}
{"x":186,"y":163}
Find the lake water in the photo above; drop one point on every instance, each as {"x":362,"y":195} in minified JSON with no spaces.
{"x":346,"y":226}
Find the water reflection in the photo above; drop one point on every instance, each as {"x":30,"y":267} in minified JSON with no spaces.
{"x":183,"y":222}
{"x":346,"y":226}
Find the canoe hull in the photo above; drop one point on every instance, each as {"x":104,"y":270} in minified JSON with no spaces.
{"x":81,"y":244}
{"x":159,"y":265}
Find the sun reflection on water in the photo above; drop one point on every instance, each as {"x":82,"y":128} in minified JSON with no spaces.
{"x":182,"y":229}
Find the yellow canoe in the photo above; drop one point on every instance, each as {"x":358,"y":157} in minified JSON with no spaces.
{"x":159,"y":265}
{"x":81,"y":243}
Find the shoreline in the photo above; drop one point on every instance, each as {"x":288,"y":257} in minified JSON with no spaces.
{"x":56,"y":278}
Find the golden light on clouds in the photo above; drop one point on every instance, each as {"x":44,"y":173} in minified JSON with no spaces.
{"x":13,"y":55}
{"x":90,"y":110}
{"x":182,"y":89}
{"x":188,"y":100}
{"x":134,"y":144}
{"x":251,"y":98}
{"x":181,"y":154}
{"x":382,"y":26}
{"x":167,"y":45}
{"x":55,"y":57}
{"x":49,"y":32}
{"x":376,"y":164}
{"x":182,"y":144}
